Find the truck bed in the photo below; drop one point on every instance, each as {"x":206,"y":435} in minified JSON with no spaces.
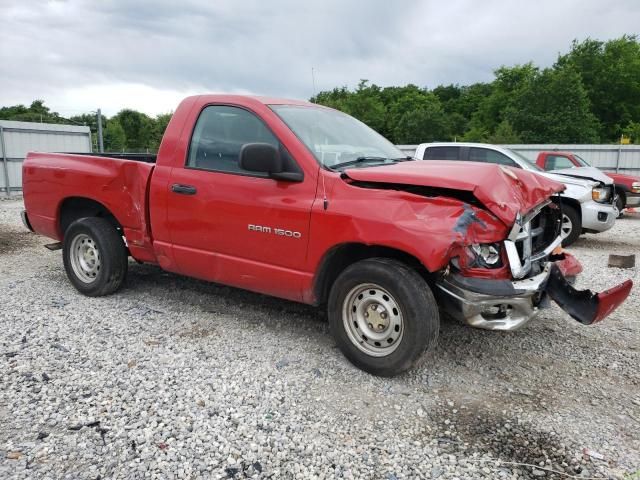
{"x":117,"y":182}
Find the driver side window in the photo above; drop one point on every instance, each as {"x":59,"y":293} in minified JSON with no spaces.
{"x":220,"y":133}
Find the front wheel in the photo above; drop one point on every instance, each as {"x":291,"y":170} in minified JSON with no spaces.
{"x":620,"y":203}
{"x":383,"y":316}
{"x":95,"y":257}
{"x":571,"y":225}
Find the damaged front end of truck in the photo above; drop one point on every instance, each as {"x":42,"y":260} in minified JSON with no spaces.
{"x":500,"y":248}
{"x":540,"y":271}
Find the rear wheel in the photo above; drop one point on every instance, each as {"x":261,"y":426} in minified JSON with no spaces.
{"x":571,"y":225}
{"x":95,"y":257}
{"x":383,"y":316}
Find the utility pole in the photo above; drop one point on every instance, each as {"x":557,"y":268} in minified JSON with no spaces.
{"x":100,"y":141}
{"x":313,"y":81}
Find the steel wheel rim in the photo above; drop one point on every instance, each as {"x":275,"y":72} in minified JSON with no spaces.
{"x":618,"y":206}
{"x":373,"y":320}
{"x":566,"y":227}
{"x":85,"y":258}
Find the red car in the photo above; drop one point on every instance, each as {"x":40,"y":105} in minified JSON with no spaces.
{"x":627,"y":186}
{"x":303,"y":202}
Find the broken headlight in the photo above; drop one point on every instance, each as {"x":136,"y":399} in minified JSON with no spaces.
{"x":487,"y":254}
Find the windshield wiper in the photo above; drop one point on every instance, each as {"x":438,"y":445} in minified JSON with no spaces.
{"x":369,"y":159}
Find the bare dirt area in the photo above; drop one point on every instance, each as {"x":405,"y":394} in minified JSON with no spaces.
{"x":14,"y":239}
{"x":177,"y":378}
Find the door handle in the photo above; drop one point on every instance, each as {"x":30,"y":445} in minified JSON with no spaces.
{"x":183,"y":189}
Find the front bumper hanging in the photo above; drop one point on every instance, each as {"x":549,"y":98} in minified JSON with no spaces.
{"x":584,"y":305}
{"x":508,"y":305}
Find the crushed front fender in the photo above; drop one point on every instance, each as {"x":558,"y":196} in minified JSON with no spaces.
{"x":583,"y":305}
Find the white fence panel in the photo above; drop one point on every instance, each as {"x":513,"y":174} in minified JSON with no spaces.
{"x":624,"y":158}
{"x":19,"y":138}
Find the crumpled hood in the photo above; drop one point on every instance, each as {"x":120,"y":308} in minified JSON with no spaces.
{"x":567,"y":180}
{"x":504,"y":191}
{"x":588,"y":173}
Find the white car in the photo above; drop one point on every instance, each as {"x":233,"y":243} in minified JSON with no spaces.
{"x":588,"y":204}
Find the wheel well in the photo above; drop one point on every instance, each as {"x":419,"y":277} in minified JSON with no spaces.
{"x":340,"y":257}
{"x":572,"y":203}
{"x":79,"y":207}
{"x":621,"y":193}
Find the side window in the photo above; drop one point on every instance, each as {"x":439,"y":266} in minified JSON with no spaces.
{"x":489,"y":156}
{"x":442,"y":153}
{"x":220,"y":133}
{"x":556,"y":162}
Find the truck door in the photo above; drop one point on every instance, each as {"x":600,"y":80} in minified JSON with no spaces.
{"x":234,"y":226}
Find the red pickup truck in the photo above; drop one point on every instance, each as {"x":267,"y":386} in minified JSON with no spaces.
{"x":627,"y":186}
{"x":303,"y":202}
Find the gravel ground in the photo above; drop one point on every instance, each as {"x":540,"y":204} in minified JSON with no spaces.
{"x":177,"y":378}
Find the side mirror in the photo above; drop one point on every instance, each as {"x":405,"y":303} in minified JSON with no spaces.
{"x":260,"y":157}
{"x":265,"y":158}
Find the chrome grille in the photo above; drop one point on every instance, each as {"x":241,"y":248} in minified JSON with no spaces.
{"x":532,"y":239}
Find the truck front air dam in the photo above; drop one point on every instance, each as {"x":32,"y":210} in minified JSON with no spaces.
{"x":583,"y":305}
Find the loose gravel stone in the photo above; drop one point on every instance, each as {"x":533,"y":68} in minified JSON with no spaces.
{"x":177,"y":378}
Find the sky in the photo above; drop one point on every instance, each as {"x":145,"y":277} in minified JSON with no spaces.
{"x":80,"y":55}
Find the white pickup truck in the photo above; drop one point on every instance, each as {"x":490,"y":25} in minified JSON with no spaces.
{"x":588,"y":203}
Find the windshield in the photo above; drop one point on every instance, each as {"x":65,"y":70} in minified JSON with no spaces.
{"x":336,"y":139}
{"x":526,"y":163}
{"x":581,"y":161}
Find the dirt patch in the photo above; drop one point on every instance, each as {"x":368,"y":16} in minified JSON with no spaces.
{"x":506,"y":443}
{"x":13,"y":240}
{"x":196,"y":331}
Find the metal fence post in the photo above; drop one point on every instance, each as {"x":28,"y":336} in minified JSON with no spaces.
{"x":4,"y":162}
{"x":618,"y":157}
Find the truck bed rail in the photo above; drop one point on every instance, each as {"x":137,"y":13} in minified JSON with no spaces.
{"x":138,"y":157}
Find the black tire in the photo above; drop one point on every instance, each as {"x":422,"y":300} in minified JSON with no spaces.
{"x":111,"y":269}
{"x":416,"y":304}
{"x":620,"y":204}
{"x":576,"y":225}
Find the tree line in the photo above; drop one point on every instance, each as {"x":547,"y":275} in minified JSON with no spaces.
{"x":589,"y":95}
